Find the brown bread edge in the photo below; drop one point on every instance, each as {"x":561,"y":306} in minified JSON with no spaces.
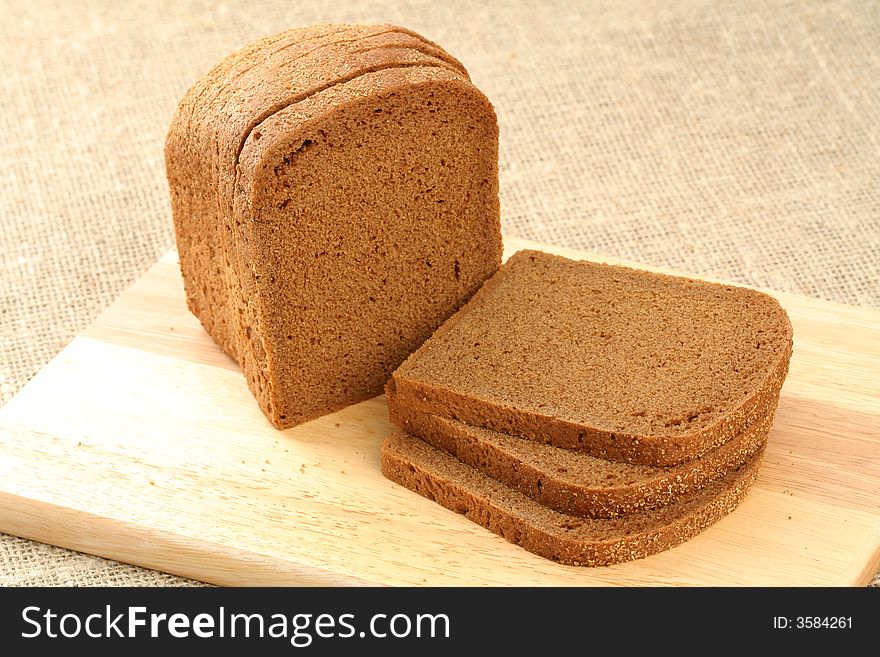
{"x":563,"y":493}
{"x":517,"y":526}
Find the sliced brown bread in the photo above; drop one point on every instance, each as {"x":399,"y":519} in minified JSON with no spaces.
{"x":192,"y":167}
{"x":220,"y":111}
{"x":317,"y":273}
{"x":622,"y":364}
{"x":574,"y":482}
{"x":567,"y":539}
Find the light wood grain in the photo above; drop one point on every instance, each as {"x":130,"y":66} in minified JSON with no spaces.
{"x":141,"y":442}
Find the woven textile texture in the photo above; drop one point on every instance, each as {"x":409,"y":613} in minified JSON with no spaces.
{"x":737,"y":139}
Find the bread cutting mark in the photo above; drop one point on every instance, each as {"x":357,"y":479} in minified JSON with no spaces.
{"x":425,"y":49}
{"x":423,"y":45}
{"x":430,"y":60}
{"x":221,"y":74}
{"x":320,"y":41}
{"x":275,"y":109}
{"x":220,"y":71}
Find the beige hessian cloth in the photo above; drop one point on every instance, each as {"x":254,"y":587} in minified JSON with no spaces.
{"x":734,"y":139}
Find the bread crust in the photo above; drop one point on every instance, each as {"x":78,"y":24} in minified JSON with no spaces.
{"x":573,"y":482}
{"x":566,"y":539}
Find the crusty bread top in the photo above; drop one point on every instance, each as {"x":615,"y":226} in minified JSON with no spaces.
{"x":250,"y":81}
{"x":622,"y":363}
{"x":224,"y":107}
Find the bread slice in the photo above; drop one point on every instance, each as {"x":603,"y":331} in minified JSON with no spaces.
{"x":623,"y":364}
{"x":576,"y":483}
{"x":318,"y":274}
{"x":567,"y":539}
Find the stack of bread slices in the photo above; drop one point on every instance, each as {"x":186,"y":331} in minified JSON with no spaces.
{"x":591,"y":413}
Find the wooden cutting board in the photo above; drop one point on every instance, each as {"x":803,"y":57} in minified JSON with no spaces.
{"x":140,"y":442}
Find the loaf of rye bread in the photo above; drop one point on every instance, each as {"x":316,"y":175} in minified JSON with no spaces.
{"x":335,"y":199}
{"x":567,"y":539}
{"x":576,"y":483}
{"x":622,"y":364}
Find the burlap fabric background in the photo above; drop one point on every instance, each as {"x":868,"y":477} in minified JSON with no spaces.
{"x":735,"y":139}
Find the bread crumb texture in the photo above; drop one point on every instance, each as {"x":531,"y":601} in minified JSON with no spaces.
{"x":620,"y":363}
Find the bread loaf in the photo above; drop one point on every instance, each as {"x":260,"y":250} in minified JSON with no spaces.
{"x":335,"y":199}
{"x":622,"y":364}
